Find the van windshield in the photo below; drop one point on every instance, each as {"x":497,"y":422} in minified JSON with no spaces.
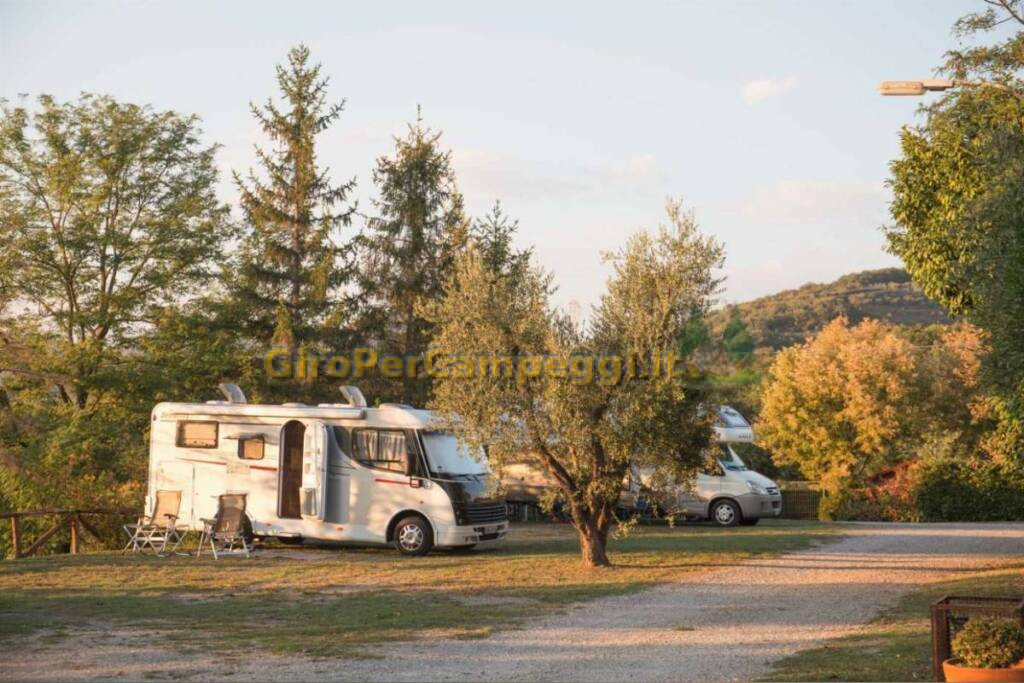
{"x":729,"y":460}
{"x":447,"y":456}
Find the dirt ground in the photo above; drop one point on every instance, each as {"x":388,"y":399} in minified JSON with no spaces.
{"x":726,"y":622}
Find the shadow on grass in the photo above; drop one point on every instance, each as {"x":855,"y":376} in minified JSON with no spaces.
{"x":309,"y":624}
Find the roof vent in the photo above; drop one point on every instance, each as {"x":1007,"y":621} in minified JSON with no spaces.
{"x":354,"y":397}
{"x":232,"y":392}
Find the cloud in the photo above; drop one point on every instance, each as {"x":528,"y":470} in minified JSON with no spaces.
{"x":763,"y":88}
{"x":491,"y":173}
{"x":494,"y":173}
{"x":639,"y":169}
{"x":804,"y":201}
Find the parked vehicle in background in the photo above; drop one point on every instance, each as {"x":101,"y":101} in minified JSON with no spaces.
{"x":729,"y":493}
{"x":332,"y":472}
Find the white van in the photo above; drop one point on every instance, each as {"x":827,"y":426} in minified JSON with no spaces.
{"x":730,"y":493}
{"x":332,"y":472}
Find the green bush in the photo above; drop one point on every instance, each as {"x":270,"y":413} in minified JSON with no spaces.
{"x":935,"y":490}
{"x":989,"y":643}
{"x":962,"y":491}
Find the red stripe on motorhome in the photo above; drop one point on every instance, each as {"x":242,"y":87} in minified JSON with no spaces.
{"x":205,"y":462}
{"x":218,"y":462}
{"x":392,"y":481}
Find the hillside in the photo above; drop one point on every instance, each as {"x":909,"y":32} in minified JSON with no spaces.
{"x":790,"y":316}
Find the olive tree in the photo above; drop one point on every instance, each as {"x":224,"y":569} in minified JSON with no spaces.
{"x":599,"y":402}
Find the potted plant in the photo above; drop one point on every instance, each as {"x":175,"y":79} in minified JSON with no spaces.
{"x":987,"y":649}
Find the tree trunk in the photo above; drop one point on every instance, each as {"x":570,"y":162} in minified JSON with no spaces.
{"x":593,"y":547}
{"x":593,"y":535}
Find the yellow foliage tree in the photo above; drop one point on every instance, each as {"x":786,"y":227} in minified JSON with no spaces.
{"x":855,"y":400}
{"x":838,"y":406}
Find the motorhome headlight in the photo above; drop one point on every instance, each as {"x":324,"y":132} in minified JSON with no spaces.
{"x":757,"y":488}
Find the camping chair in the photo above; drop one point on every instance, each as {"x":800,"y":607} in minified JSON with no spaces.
{"x":159,"y":531}
{"x":227,"y":533}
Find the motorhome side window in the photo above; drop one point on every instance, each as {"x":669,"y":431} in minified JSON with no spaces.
{"x":197,"y":434}
{"x":385,"y":449}
{"x":250,"y":448}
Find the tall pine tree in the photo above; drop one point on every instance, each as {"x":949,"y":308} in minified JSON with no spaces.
{"x":409,"y":246}
{"x":293,"y":263}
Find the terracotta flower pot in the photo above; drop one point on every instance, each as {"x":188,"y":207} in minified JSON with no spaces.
{"x":955,"y":673}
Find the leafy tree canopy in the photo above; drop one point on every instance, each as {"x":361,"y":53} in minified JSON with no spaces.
{"x":854,"y":401}
{"x":958,"y":192}
{"x":108,"y":219}
{"x":584,"y":434}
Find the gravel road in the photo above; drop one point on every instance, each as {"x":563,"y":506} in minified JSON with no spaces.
{"x":726,"y":623}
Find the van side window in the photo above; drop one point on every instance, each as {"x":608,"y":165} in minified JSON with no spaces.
{"x":250,"y":448}
{"x":384,"y":449}
{"x":197,"y":434}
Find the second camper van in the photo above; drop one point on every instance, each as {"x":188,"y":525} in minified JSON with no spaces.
{"x":729,"y":493}
{"x":333,"y":472}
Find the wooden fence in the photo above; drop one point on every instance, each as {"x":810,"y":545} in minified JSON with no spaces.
{"x":74,"y":521}
{"x":800,"y":500}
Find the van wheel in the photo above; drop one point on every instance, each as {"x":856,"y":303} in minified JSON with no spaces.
{"x":413,"y":536}
{"x":750,"y":522}
{"x":725,"y":513}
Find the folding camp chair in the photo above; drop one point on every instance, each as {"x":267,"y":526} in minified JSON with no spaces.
{"x":159,"y":531}
{"x":227,"y":533}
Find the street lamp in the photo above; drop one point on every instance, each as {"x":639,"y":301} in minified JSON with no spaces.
{"x":918,"y":88}
{"x":914,"y":88}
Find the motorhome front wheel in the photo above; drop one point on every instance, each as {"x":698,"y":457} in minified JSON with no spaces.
{"x":413,"y":536}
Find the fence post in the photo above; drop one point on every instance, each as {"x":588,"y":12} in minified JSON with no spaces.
{"x":16,"y":536}
{"x":73,"y":525}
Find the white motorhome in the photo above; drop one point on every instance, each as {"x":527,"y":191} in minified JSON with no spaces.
{"x":333,"y":472}
{"x":729,"y":493}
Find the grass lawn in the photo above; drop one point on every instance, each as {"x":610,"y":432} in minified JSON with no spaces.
{"x":327,"y":601}
{"x":897,"y":645}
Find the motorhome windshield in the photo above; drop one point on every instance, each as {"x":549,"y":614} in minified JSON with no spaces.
{"x":729,"y":417}
{"x":448,"y":457}
{"x":729,"y":460}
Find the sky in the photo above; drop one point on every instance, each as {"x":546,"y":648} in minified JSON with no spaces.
{"x":582,"y":118}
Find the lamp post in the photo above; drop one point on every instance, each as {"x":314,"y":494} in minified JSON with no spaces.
{"x":918,"y":88}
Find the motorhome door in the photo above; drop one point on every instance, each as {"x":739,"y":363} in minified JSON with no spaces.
{"x":314,"y":471}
